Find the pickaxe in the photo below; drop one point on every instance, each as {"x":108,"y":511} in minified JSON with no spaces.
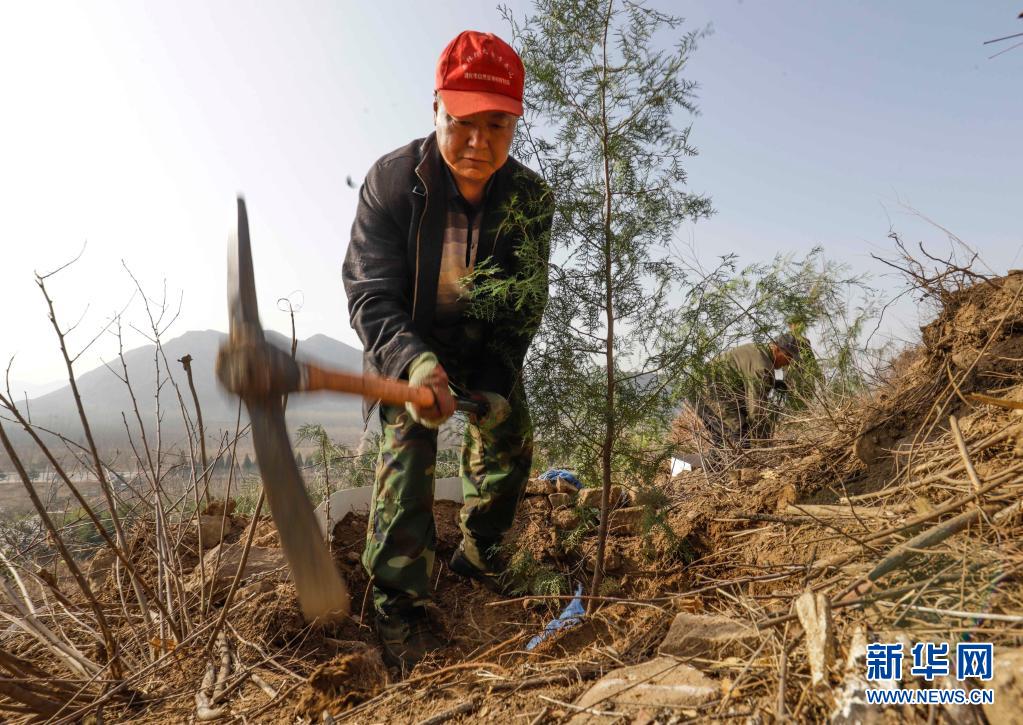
{"x":260,"y":373}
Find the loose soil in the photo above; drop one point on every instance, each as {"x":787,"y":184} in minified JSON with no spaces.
{"x":743,"y":544}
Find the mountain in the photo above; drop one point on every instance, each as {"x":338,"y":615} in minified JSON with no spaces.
{"x":106,"y":398}
{"x":22,"y":388}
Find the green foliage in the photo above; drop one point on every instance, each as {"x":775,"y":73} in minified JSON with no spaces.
{"x":589,"y":519}
{"x":528,"y":576}
{"x":669,"y":546}
{"x":610,"y":587}
{"x":246,"y":497}
{"x":332,"y":464}
{"x":817,"y":295}
{"x":600,"y":126}
{"x":78,"y":531}
{"x":651,"y":498}
{"x":632,"y":320}
{"x":316,"y":434}
{"x":448,"y":463}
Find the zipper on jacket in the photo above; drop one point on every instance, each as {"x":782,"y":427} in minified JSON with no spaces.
{"x":468,"y":239}
{"x":419,"y":232}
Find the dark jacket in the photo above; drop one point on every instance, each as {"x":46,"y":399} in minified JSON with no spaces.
{"x":392,"y":266}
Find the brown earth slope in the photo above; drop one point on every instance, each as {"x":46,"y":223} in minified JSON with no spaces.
{"x":898,"y":512}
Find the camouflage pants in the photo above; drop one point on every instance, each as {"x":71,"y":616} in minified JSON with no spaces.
{"x":401,"y":539}
{"x":725,"y":423}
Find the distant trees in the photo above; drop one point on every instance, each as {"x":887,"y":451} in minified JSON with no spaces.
{"x":338,"y":465}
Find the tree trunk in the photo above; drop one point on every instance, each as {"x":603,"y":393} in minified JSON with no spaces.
{"x":609,"y":400}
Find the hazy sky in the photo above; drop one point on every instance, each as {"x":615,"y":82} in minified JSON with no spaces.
{"x":131,"y":125}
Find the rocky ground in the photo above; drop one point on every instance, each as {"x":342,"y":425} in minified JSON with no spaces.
{"x":750,"y":595}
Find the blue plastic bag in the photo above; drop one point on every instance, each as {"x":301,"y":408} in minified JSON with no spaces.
{"x":555,"y":473}
{"x":569,"y":617}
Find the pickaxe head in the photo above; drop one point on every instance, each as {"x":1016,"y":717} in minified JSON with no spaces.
{"x":257,"y":372}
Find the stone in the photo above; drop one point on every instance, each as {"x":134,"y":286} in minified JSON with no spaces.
{"x":210,"y":528}
{"x":100,"y":566}
{"x":645,"y":716}
{"x":1008,"y":686}
{"x":566,"y":518}
{"x":591,"y":497}
{"x":709,"y":637}
{"x":254,"y":589}
{"x":563,"y":486}
{"x":851,"y":706}
{"x":537,"y":487}
{"x":850,"y":697}
{"x":559,"y":500}
{"x":814,"y":614}
{"x":746,"y":476}
{"x":261,"y":560}
{"x":612,"y":558}
{"x":656,"y":684}
{"x":785,"y":497}
{"x":965,"y":358}
{"x":627,"y":521}
{"x":216,"y":507}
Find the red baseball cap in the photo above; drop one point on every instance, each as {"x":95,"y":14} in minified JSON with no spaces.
{"x":479,"y":72}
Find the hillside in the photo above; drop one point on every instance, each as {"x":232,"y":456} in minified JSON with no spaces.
{"x":105,"y":397}
{"x":751,"y":595}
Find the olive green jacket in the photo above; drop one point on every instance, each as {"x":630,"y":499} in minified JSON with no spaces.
{"x":740,"y":382}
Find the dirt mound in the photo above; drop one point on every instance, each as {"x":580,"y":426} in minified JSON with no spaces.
{"x":974,"y":345}
{"x":346,"y":680}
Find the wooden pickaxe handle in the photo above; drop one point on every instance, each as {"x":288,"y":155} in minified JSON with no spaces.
{"x":374,"y":387}
{"x":264,"y":370}
{"x":377,"y":387}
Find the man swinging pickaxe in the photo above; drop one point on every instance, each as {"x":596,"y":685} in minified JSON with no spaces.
{"x":260,"y":374}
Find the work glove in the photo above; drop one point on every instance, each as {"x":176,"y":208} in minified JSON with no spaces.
{"x":497,"y":409}
{"x":427,"y":372}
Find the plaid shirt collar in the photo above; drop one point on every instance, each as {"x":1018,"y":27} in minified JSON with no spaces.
{"x":455,"y":195}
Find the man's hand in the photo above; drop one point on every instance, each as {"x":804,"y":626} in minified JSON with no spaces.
{"x":497,"y":407}
{"x":427,"y":372}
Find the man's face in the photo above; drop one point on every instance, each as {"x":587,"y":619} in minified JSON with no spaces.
{"x":474,"y":147}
